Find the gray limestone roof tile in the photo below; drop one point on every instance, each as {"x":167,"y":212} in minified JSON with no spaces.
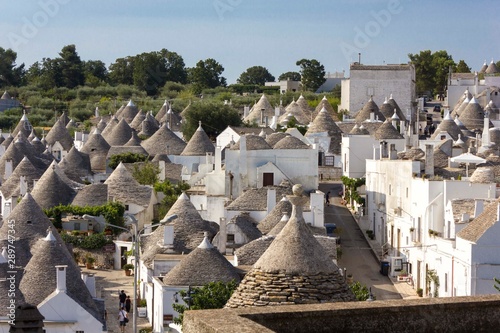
{"x":11,"y":187}
{"x":253,"y":142}
{"x":199,"y":144}
{"x":164,"y":141}
{"x":247,"y":225}
{"x":97,"y":148}
{"x":76,"y":165}
{"x":483,"y":175}
{"x":275,"y":215}
{"x":136,"y":123}
{"x":59,"y":133}
{"x":369,"y":107}
{"x":295,"y":110}
{"x":54,"y":188}
{"x":128,"y":112}
{"x":120,"y":134}
{"x":203,"y":265}
{"x":291,"y":142}
{"x":325,"y":104}
{"x":274,"y":138}
{"x":163,"y":111}
{"x":91,"y":195}
{"x":109,"y":127}
{"x":255,"y":115}
{"x":387,"y":131}
{"x":23,"y":126}
{"x":124,"y":188}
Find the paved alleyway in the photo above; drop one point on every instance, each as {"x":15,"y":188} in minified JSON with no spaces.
{"x":108,"y":285}
{"x":357,"y":256}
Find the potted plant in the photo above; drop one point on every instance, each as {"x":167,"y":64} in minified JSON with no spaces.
{"x":349,"y":279}
{"x":420,"y":292}
{"x":412,"y":229}
{"x":89,"y":262}
{"x":128,"y":269}
{"x":142,"y":308}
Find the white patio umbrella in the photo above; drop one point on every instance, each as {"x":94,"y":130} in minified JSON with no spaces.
{"x":468,"y":158}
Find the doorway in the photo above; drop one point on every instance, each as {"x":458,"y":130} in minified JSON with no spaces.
{"x":268,"y":179}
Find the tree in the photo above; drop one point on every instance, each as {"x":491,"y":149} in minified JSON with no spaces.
{"x":122,"y":71}
{"x":292,"y":76}
{"x":95,"y":72}
{"x":146,"y":173}
{"x":10,"y":74}
{"x":312,"y":74}
{"x":171,"y":192}
{"x":206,"y":74}
{"x":256,"y":75}
{"x":153,"y":69}
{"x":497,"y":284}
{"x":71,"y":67}
{"x":126,"y":158}
{"x":215,"y":117}
{"x":431,"y":70}
{"x":359,"y":290}
{"x":213,"y":295}
{"x":337,"y":91}
{"x":462,"y":67}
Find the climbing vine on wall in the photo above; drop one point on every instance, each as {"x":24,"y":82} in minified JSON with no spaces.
{"x":433,"y":277}
{"x":351,"y":189}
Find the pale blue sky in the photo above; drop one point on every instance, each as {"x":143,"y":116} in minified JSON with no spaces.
{"x":243,"y":33}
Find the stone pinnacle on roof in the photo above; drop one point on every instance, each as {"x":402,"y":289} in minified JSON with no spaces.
{"x":203,"y":265}
{"x":199,"y":144}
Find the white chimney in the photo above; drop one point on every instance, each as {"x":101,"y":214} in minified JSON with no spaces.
{"x":271,"y":199}
{"x":372,"y":116}
{"x":277,"y":112}
{"x":61,"y":278}
{"x":8,"y":168}
{"x":222,"y":235}
{"x":478,"y":207}
{"x":246,"y":111}
{"x":89,"y":280}
{"x":393,"y":153}
{"x":429,"y":160}
{"x":23,"y":185}
{"x":218,"y":159}
{"x":486,"y":131}
{"x":162,"y":170}
{"x":168,"y":235}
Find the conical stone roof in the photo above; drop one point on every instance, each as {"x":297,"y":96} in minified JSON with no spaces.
{"x":387,"y":131}
{"x":294,"y":109}
{"x":293,"y":259}
{"x":59,"y":133}
{"x":136,"y":123}
{"x":64,"y":118}
{"x":492,"y":68}
{"x":368,"y":108}
{"x":40,"y":280}
{"x":23,"y":126}
{"x":123,"y":187}
{"x":473,"y":115}
{"x":254,"y":116}
{"x":109,"y":127}
{"x":449,"y":126}
{"x":120,"y":134}
{"x":54,"y":188}
{"x":148,"y":127}
{"x":101,"y":125}
{"x":76,"y":165}
{"x":253,"y":142}
{"x":325,"y":104}
{"x":173,"y":119}
{"x":163,"y":111}
{"x":129,"y":112}
{"x":134,"y":140}
{"x":5,"y":95}
{"x":291,"y":142}
{"x":203,"y":265}
{"x":17,"y":150}
{"x":199,"y":144}
{"x":274,"y":138}
{"x":395,"y":105}
{"x":31,"y":224}
{"x":189,"y":231}
{"x":325,"y":123}
{"x":11,"y":187}
{"x":483,"y":175}
{"x":484,"y":67}
{"x":164,"y":141}
{"x":308,"y":110}
{"x":97,"y":148}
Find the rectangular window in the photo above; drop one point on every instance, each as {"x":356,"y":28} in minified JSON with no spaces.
{"x":126,"y":207}
{"x":230,"y":238}
{"x":76,"y":226}
{"x":445,"y":282}
{"x":329,"y":160}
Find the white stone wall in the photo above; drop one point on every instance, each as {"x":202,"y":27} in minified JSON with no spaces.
{"x":379,"y":84}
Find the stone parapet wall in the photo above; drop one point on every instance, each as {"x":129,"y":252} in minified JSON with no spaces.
{"x":453,"y":314}
{"x":329,"y":173}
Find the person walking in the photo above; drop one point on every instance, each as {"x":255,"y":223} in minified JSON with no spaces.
{"x":327,"y":198}
{"x":123,"y":319}
{"x":128,"y":304}
{"x":122,"y":296}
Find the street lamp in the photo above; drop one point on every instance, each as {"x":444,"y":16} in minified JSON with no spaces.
{"x":136,"y":246}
